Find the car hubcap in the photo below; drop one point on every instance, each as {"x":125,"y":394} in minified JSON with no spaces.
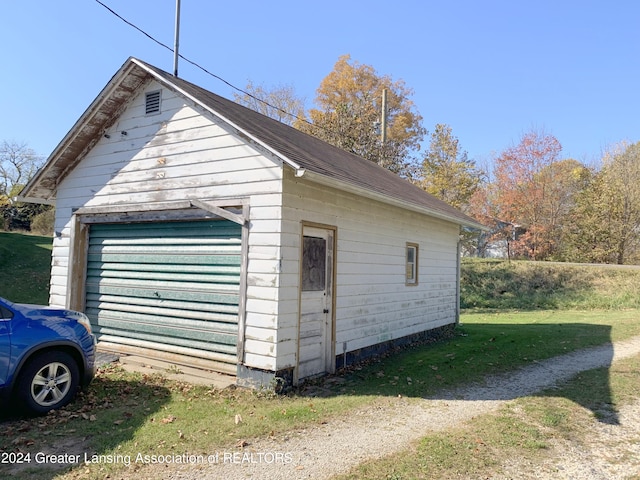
{"x":51,"y":384}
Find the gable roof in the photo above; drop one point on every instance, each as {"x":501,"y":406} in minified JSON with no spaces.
{"x":307,"y":155}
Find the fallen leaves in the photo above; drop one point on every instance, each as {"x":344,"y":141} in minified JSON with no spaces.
{"x":169,"y":419}
{"x":19,"y":441}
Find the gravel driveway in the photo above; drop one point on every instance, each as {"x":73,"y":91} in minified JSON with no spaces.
{"x":392,"y":423}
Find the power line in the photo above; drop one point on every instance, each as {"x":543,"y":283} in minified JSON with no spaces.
{"x":205,"y":70}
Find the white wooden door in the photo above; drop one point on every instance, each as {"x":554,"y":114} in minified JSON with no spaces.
{"x":316,"y":302}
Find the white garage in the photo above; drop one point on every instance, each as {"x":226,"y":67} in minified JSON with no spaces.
{"x":192,"y":228}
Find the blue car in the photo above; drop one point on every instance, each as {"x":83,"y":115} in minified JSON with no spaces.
{"x":46,"y":353}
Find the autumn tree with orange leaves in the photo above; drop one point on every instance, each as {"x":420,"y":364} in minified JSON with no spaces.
{"x":526,"y":197}
{"x":348,"y":115}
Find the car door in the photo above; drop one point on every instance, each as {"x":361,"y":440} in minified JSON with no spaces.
{"x":5,"y":342}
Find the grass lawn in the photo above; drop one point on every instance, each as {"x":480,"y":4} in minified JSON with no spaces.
{"x":125,"y":413}
{"x":522,"y":285}
{"x":25,"y":266}
{"x":491,"y":343}
{"x":129,"y":413}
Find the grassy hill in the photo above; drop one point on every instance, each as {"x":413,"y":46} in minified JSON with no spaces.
{"x":25,"y":267}
{"x":522,"y":285}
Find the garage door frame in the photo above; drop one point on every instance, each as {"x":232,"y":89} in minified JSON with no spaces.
{"x":236,"y":210}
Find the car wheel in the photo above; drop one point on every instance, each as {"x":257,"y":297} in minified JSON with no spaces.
{"x":49,"y":381}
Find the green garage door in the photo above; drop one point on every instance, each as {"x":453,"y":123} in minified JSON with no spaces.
{"x":168,"y":287}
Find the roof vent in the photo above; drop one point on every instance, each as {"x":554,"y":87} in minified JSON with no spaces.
{"x":152,"y":102}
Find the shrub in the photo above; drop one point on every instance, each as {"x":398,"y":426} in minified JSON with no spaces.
{"x":42,"y":223}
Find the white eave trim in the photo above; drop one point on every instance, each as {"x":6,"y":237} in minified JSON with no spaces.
{"x":77,"y":127}
{"x":350,"y":187}
{"x":41,"y":201}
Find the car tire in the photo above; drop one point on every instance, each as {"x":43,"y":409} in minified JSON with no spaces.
{"x":47,"y":382}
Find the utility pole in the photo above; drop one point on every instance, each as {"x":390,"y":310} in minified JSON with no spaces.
{"x":383,"y":126}
{"x":177,"y":40}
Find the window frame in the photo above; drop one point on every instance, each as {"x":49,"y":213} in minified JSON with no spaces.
{"x":310,"y":260}
{"x":411,"y":281}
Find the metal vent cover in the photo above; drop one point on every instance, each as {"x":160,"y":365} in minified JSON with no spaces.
{"x":152,"y":102}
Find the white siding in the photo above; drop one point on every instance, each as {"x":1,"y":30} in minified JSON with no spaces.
{"x":373,"y":303}
{"x":183,"y":153}
{"x":179,"y":154}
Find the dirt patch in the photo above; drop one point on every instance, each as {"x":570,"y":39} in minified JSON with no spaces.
{"x":606,"y":452}
{"x":45,"y":459}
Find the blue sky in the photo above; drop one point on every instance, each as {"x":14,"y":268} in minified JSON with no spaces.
{"x":491,"y":69}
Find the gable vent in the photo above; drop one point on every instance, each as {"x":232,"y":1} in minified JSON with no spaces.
{"x":152,"y":102}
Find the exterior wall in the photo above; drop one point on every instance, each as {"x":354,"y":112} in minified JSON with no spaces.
{"x":180,"y":154}
{"x":373,"y":304}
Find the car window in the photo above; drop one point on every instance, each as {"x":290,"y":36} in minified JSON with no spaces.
{"x":5,"y":314}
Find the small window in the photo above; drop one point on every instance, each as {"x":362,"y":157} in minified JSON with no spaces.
{"x":412,"y":264}
{"x":314,"y":264}
{"x":152,"y":102}
{"x":5,"y":314}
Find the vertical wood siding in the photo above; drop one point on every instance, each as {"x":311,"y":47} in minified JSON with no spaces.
{"x":178,"y":154}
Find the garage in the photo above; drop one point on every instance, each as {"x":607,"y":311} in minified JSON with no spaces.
{"x":170,"y":288}
{"x":204,"y":234}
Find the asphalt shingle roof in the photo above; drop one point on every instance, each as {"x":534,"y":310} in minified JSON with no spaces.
{"x":308,"y":152}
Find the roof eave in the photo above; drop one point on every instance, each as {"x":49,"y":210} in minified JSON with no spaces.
{"x":350,"y":187}
{"x":36,"y":200}
{"x":91,"y":124}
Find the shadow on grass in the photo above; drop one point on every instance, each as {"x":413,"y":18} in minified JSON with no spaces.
{"x":102,"y":417}
{"x":484,"y":362}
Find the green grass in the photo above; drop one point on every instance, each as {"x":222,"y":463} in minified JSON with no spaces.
{"x":140,"y":413}
{"x":25,"y":267}
{"x":489,"y":343}
{"x":126,"y":412}
{"x":520,"y":285}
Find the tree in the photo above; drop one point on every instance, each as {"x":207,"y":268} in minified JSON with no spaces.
{"x":447,"y":172}
{"x":563,"y":181}
{"x":588,"y":236}
{"x":605,"y":223}
{"x":622,"y":172}
{"x":348,"y":115}
{"x":279,"y":102}
{"x":521,"y":191}
{"x":484,"y":207}
{"x":18,"y":163}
